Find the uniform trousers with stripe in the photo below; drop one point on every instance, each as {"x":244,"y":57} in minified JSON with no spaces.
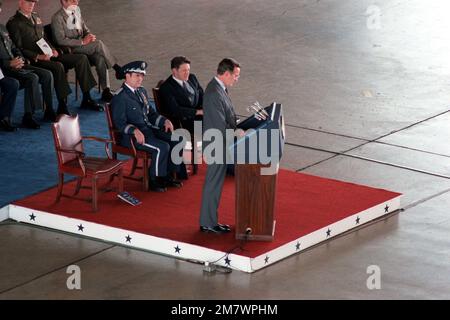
{"x":159,"y":145}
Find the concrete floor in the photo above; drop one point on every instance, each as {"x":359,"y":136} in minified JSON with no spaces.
{"x":366,"y":101}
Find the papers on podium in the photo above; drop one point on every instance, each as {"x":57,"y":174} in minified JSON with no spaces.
{"x":46,"y":49}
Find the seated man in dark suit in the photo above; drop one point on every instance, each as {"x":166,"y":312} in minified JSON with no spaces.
{"x":182,"y":95}
{"x":135,"y":117}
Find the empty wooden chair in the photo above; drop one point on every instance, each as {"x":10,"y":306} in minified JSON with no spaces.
{"x":73,"y":161}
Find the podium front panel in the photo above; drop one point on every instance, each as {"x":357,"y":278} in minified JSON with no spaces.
{"x":255,"y":202}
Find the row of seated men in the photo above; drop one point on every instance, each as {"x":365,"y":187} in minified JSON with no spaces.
{"x":72,"y":45}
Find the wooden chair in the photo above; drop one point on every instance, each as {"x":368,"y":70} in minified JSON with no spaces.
{"x":175,"y":121}
{"x":72,"y":160}
{"x":114,"y":135}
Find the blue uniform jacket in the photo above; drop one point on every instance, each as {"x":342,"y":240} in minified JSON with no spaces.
{"x":130,"y":112}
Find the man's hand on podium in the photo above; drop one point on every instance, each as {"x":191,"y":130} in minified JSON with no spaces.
{"x":239,"y":133}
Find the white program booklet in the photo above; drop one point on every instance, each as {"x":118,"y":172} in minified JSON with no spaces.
{"x":46,"y":49}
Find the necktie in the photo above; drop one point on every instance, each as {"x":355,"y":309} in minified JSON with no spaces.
{"x":8,"y":48}
{"x":145,"y":108}
{"x":189,"y":90}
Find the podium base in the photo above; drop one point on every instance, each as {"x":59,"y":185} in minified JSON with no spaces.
{"x":256,"y":237}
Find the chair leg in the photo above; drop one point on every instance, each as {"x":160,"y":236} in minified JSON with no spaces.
{"x":145,"y":173}
{"x":120,"y":178}
{"x":78,"y":187}
{"x":60,"y":186}
{"x":133,"y":168}
{"x":94,"y":194}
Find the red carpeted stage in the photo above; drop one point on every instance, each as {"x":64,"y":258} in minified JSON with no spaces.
{"x":308,"y":210}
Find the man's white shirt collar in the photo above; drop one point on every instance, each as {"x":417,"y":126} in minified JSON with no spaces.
{"x":132,"y":89}
{"x":78,"y":22}
{"x":180,"y":82}
{"x":221,"y":84}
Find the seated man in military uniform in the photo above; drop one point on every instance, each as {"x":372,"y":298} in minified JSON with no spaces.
{"x":70,"y":30}
{"x":26,"y":29}
{"x":16,"y":66}
{"x":135,"y":117}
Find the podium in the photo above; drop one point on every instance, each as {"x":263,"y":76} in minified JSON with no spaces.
{"x":256,"y":157}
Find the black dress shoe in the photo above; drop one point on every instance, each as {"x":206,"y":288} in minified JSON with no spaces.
{"x":107,"y":95}
{"x":50,"y":115}
{"x":156,"y":186}
{"x":29,"y":122}
{"x":215,"y":229}
{"x":119,"y":72}
{"x":89,"y":104}
{"x":170,"y":182}
{"x":7,"y":126}
{"x":182,"y":176}
{"x":224,"y":227}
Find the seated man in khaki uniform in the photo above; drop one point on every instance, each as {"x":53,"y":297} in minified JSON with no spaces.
{"x":70,"y":31}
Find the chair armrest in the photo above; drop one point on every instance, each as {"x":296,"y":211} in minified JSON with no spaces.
{"x":78,"y":153}
{"x":96,"y":139}
{"x":132,"y":144}
{"x":106,"y":141}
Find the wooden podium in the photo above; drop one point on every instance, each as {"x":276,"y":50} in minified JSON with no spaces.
{"x":255,"y":186}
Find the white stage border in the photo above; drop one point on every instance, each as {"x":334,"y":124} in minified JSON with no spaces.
{"x":188,"y":251}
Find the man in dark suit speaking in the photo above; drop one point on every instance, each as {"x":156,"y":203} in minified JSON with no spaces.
{"x":218,"y":116}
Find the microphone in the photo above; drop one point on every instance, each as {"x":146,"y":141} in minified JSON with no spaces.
{"x":259,"y":113}
{"x":261,"y":109}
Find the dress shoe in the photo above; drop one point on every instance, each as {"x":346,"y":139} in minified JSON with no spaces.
{"x":89,"y":104}
{"x":50,"y":115}
{"x":119,"y":72}
{"x":170,"y":182}
{"x":7,"y":126}
{"x":215,"y":229}
{"x":107,"y":95}
{"x":29,"y":122}
{"x":182,"y":175}
{"x":155,"y":186}
{"x":224,"y":227}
